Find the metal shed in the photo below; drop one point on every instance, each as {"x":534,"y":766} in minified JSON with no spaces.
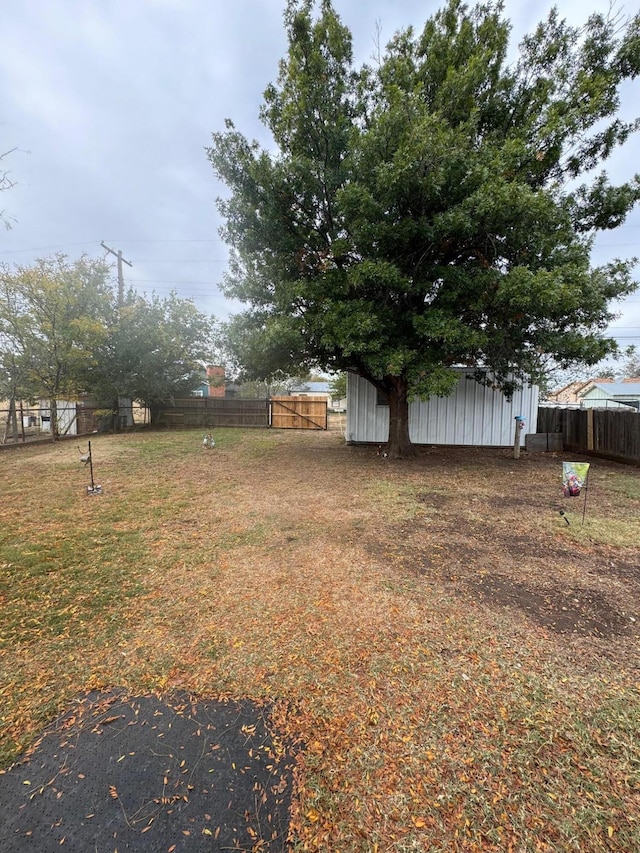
{"x":472,"y":415}
{"x":612,"y":395}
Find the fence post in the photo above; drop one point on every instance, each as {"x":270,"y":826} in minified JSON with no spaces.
{"x":590,"y":429}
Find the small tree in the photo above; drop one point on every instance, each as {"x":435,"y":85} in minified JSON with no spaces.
{"x":631,"y":367}
{"x":428,"y":212}
{"x":338,"y":386}
{"x":52,"y":316}
{"x":154,"y":350}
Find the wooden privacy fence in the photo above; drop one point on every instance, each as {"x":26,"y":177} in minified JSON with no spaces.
{"x":212,"y":412}
{"x":603,"y":432}
{"x":299,"y":412}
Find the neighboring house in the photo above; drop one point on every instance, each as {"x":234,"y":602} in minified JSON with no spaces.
{"x":612,"y":395}
{"x":472,"y":415}
{"x":75,"y":417}
{"x":319,"y":389}
{"x":67,"y":412}
{"x":572,"y":392}
{"x":213,"y":385}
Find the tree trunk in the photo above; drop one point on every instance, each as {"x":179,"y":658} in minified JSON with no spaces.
{"x":399,"y":445}
{"x":14,"y":419}
{"x":53,"y":411}
{"x":12,"y":422}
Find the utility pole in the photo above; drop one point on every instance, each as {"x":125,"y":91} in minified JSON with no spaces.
{"x":121,"y":260}
{"x":120,"y":402}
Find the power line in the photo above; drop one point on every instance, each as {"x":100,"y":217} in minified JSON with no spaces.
{"x":129,"y":241}
{"x":171,"y":281}
{"x":97,"y":243}
{"x":174,"y":240}
{"x":44,"y":248}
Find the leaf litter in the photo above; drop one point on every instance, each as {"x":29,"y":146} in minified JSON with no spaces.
{"x":404,"y":622}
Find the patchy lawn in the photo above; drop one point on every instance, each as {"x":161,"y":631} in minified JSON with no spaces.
{"x":460,"y":665}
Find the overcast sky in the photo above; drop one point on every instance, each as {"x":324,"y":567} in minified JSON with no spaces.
{"x":111,"y":104}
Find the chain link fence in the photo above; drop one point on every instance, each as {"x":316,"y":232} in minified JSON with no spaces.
{"x":32,"y":422}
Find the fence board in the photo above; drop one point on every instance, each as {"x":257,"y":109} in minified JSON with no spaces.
{"x":616,"y":433}
{"x":299,"y":412}
{"x":212,"y":412}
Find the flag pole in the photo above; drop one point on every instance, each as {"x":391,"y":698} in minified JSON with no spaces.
{"x":586,"y":489}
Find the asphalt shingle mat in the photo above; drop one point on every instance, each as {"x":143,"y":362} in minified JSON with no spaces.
{"x":141,"y":773}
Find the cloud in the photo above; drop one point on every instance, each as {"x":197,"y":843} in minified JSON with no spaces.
{"x":117,"y":101}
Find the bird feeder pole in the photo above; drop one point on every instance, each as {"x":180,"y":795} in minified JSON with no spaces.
{"x":94,"y":488}
{"x":91,"y":468}
{"x":516,"y":439}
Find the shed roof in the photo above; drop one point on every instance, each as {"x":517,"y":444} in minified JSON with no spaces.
{"x":619,"y":389}
{"x":311,"y":387}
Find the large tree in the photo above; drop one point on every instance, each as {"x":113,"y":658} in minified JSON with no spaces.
{"x":435,"y":209}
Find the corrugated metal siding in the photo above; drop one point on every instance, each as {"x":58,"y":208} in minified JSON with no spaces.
{"x":596,"y":393}
{"x":472,"y":415}
{"x":603,"y":403}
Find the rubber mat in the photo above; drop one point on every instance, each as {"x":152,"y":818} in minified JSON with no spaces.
{"x":126,"y":773}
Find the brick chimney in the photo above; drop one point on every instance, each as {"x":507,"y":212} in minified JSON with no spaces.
{"x":215,"y":378}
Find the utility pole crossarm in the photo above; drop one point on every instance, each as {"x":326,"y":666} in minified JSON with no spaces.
{"x":121,"y":260}
{"x":113,"y":252}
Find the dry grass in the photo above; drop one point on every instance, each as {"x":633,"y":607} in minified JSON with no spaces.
{"x":460,"y":665}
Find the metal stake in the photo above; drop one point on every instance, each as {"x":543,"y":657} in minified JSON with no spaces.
{"x":94,"y":488}
{"x":586,"y":489}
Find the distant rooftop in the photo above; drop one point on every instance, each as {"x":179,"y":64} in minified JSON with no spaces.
{"x":619,"y":389}
{"x":312,"y":388}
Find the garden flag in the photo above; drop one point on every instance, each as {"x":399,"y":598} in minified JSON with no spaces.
{"x":574,"y":478}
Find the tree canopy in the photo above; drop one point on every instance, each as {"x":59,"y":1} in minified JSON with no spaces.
{"x":155,"y":350}
{"x":51,"y":316}
{"x":436,"y":208}
{"x":63,"y":332}
{"x":631,"y":367}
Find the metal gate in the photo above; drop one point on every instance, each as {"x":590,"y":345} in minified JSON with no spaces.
{"x":299,"y":412}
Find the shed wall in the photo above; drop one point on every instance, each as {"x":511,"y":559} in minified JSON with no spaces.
{"x":472,"y":415}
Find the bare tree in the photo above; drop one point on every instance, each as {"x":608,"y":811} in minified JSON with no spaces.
{"x":5,"y":184}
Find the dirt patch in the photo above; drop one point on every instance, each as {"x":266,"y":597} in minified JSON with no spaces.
{"x":626,"y":570}
{"x":515,"y":502}
{"x":584,"y":612}
{"x":505,"y":549}
{"x":438,"y":500}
